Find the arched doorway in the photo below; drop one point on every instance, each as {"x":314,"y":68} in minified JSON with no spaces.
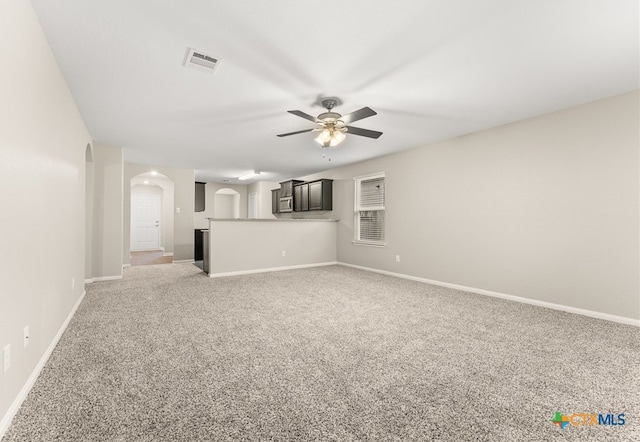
{"x":226,"y":204}
{"x":152,"y":220}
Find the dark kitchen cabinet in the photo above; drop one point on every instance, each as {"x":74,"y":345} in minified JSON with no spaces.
{"x":286,"y":188}
{"x":200,"y":197}
{"x":314,"y":195}
{"x":320,"y":195}
{"x":301,"y":198}
{"x":275,"y":201}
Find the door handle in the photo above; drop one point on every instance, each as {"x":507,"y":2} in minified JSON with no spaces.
{"x":157,"y":223}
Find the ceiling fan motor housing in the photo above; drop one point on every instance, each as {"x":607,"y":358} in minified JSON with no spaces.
{"x":329,"y":117}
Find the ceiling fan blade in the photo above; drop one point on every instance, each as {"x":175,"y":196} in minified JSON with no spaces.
{"x":365,"y":112}
{"x":363,"y":132}
{"x":303,"y":115}
{"x":297,"y":132}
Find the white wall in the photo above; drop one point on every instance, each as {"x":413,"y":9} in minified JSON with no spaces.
{"x":546,"y":208}
{"x":42,"y":176}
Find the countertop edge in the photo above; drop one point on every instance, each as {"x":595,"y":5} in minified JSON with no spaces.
{"x":254,"y":220}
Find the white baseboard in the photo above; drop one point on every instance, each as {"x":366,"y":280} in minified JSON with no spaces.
{"x":550,"y":305}
{"x":107,"y":278}
{"x":183,"y":260}
{"x":22,"y":395}
{"x":125,"y":266}
{"x":271,"y":269}
{"x":88,"y":281}
{"x":167,"y":254}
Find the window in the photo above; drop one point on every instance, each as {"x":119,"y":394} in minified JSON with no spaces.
{"x":369,"y":209}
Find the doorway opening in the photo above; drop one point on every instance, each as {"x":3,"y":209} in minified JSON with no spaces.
{"x":145,"y":217}
{"x":152,"y":219}
{"x":226,"y":204}
{"x":148,"y":257}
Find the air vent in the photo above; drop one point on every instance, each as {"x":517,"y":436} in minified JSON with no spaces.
{"x":198,"y":60}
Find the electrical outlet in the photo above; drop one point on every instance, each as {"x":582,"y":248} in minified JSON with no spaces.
{"x":26,"y":336}
{"x":397,"y":258}
{"x":6,"y":358}
{"x":284,"y":253}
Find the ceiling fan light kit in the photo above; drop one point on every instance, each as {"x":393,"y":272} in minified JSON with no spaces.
{"x":331,"y":136}
{"x":333,"y":126}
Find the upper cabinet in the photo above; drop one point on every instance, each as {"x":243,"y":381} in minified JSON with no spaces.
{"x":307,"y":196}
{"x":275,"y":201}
{"x":313,"y":195}
{"x":321,"y":195}
{"x":301,"y":197}
{"x":200,"y":196}
{"x":286,"y":188}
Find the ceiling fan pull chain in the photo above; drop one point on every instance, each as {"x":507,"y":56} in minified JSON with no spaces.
{"x":324,"y":155}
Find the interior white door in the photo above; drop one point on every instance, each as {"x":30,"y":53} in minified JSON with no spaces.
{"x":252,"y":211}
{"x":145,"y":221}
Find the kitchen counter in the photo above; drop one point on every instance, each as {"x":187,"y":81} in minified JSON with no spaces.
{"x":253,"y":220}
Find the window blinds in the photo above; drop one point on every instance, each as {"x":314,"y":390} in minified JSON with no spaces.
{"x":372,"y":225}
{"x":371,"y":194}
{"x":370,"y":209}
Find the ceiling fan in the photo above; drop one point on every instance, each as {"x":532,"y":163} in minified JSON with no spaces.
{"x":332,"y":126}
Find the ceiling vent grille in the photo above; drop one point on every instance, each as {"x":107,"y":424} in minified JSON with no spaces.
{"x":201,"y":62}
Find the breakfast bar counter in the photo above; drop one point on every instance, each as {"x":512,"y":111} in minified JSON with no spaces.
{"x":240,"y":246}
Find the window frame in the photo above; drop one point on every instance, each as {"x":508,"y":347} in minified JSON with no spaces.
{"x":358,"y":209}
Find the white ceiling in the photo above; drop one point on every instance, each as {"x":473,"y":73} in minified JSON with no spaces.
{"x":432,"y":69}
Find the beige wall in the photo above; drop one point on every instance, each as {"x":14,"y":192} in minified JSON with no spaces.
{"x":263,"y":189}
{"x":227,"y":205}
{"x":546,"y":208}
{"x":241,"y":246}
{"x":107,"y":212}
{"x":42,"y":176}
{"x":184,"y":199}
{"x":88,"y":222}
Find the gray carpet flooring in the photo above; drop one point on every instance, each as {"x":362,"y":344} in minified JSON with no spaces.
{"x":328,"y":353}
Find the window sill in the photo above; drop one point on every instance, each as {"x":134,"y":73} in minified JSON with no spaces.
{"x":369,"y":244}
